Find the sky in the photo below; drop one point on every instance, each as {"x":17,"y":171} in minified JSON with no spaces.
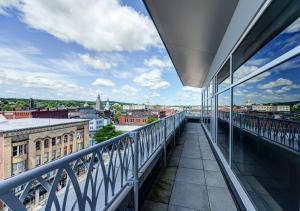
{"x":75,"y":49}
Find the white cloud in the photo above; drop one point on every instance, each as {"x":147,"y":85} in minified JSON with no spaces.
{"x":243,"y":71}
{"x":128,"y":88}
{"x":121,"y":74}
{"x":155,"y":62}
{"x":38,"y":80}
{"x":105,"y":25}
{"x":95,"y":62}
{"x":103,"y":82}
{"x":191,"y":94}
{"x":154,"y":94}
{"x":4,"y":4}
{"x":192,"y":89}
{"x":152,"y":79}
{"x":276,"y":83}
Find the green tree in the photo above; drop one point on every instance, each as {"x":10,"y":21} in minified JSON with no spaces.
{"x":151,"y":119}
{"x":105,"y":133}
{"x":117,"y":107}
{"x":116,"y":116}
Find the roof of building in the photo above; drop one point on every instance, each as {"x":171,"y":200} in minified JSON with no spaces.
{"x":28,"y":123}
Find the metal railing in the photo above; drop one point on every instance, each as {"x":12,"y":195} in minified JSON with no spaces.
{"x":280,"y":131}
{"x":95,"y":176}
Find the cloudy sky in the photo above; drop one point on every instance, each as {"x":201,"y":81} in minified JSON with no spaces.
{"x":73,"y":49}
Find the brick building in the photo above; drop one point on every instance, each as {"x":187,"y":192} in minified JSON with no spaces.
{"x":133,"y":119}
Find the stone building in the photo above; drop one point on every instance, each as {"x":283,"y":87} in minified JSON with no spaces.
{"x":28,"y":143}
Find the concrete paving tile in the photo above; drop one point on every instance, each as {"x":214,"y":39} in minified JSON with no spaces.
{"x":168,"y":173}
{"x":161,"y":191}
{"x":179,"y":208}
{"x":208,"y":156}
{"x":220,"y":199}
{"x":192,"y":163}
{"x":154,"y":206}
{"x":215,"y":179}
{"x":191,"y":154}
{"x":190,"y":176}
{"x":190,"y":195}
{"x":173,"y":161}
{"x":211,"y":165}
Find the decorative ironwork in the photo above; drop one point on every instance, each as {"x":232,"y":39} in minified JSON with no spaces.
{"x":280,"y":131}
{"x":92,"y":178}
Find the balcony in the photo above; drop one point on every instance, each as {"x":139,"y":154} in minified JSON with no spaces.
{"x":165,"y":165}
{"x":192,"y":179}
{"x":101,"y":177}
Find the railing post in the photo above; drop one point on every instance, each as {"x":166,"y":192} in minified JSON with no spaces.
{"x":174,"y":137}
{"x":165,"y":141}
{"x":136,"y":171}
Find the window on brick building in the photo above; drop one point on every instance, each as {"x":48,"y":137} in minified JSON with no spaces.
{"x":37,"y":145}
{"x":46,"y":143}
{"x":53,"y":142}
{"x":15,"y":150}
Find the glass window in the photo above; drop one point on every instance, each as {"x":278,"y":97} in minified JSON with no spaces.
{"x":37,"y":160}
{"x":58,"y":140}
{"x":53,"y":141}
{"x":15,"y":150}
{"x":65,"y":138}
{"x":53,"y":154}
{"x":46,"y":143}
{"x":223,"y":79}
{"x":71,"y":137}
{"x":37,"y":145}
{"x":223,"y":122}
{"x":18,"y":168}
{"x":46,"y":157}
{"x":208,"y":116}
{"x":266,"y":143}
{"x":282,"y":43}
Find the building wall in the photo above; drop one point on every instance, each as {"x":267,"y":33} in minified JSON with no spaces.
{"x":42,"y":135}
{"x":59,"y":114}
{"x":16,"y":114}
{"x":131,"y":120}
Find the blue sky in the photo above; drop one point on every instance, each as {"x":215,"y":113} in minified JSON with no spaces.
{"x":73,"y":49}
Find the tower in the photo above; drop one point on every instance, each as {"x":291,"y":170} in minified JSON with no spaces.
{"x":107,"y":106}
{"x":30,"y":104}
{"x":98,"y":106}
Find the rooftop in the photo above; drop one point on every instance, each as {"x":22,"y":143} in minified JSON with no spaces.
{"x":28,"y":123}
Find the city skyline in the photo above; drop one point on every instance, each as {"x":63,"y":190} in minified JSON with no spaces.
{"x":107,"y":52}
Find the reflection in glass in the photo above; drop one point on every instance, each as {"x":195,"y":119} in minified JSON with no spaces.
{"x":223,"y":122}
{"x":282,"y":43}
{"x":266,"y":137}
{"x":223,"y":79}
{"x":208,"y":113}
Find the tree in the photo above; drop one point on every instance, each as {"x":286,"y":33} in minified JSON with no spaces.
{"x":105,"y":133}
{"x":116,"y":116}
{"x":151,"y":119}
{"x":116,"y":107}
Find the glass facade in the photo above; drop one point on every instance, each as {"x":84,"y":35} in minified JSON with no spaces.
{"x":223,"y":122}
{"x":263,"y":150}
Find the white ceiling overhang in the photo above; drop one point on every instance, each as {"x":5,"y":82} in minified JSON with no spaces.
{"x":192,"y":31}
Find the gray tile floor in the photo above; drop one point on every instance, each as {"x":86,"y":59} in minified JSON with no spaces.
{"x":192,"y":179}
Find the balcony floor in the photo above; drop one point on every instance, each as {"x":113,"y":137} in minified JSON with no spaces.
{"x":192,"y":179}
